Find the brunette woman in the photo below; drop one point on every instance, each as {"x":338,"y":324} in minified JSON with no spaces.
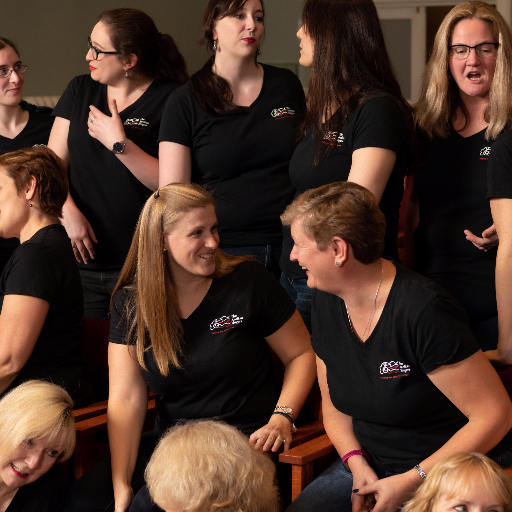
{"x":106,"y":131}
{"x":464,"y":105}
{"x":356,"y":127}
{"x":195,"y":325}
{"x":233,"y":128}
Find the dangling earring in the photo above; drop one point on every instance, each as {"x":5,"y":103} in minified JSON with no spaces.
{"x":30,"y":204}
{"x":215,"y":45}
{"x":258,"y":51}
{"x":127,"y":75}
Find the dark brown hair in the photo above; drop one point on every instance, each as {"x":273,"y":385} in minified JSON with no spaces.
{"x":350,"y":63}
{"x":49,"y":171}
{"x":211,"y":90}
{"x":133,"y":31}
{"x":342,"y":209}
{"x":4,"y":42}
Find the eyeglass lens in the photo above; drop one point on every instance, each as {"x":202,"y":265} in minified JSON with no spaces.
{"x":482,"y":50}
{"x":19,"y":69}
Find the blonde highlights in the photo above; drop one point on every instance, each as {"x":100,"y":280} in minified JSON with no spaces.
{"x":440,"y":98}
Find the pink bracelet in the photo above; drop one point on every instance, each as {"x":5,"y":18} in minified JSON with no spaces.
{"x":355,"y":452}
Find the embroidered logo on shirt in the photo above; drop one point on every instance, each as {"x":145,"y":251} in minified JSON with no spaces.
{"x":394,"y":369}
{"x":281,"y":113}
{"x":225,"y":323}
{"x":334,"y":138}
{"x":136,"y":123}
{"x":485,"y":152}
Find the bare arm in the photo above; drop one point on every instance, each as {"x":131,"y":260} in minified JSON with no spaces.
{"x":501,"y":209}
{"x":411,"y":223}
{"x":175,"y":163}
{"x":21,"y":322}
{"x":292,"y":345}
{"x":127,"y":405}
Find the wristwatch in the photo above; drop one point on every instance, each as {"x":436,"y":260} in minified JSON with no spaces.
{"x":119,"y":146}
{"x":286,"y":409}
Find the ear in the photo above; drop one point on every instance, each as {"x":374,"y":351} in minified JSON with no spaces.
{"x":31,"y":188}
{"x":130,"y":61}
{"x":214,"y":31}
{"x":340,"y":250}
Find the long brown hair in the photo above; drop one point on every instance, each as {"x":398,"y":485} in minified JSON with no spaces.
{"x":211,"y":90}
{"x":133,"y":31}
{"x":440,"y":98}
{"x":350,"y":63}
{"x":4,"y":43}
{"x":152,"y":306}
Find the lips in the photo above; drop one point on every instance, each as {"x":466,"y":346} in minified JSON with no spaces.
{"x":17,"y":471}
{"x":249,"y":40}
{"x":474,"y":76}
{"x":91,"y":68}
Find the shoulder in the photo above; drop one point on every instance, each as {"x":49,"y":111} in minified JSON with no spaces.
{"x":281,"y":74}
{"x":41,"y":118}
{"x":381,"y":103}
{"x":503,"y":142}
{"x":182,"y":98}
{"x":162,"y":86}
{"x":44,"y":245}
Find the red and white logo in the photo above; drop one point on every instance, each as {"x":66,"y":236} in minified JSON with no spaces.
{"x":281,"y":113}
{"x":225,"y":323}
{"x":334,"y":138}
{"x":485,"y":152}
{"x":136,"y":123}
{"x":394,"y":369}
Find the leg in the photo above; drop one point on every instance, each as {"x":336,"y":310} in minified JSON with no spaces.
{"x":301,"y":294}
{"x":267,"y":255}
{"x":483,"y":319}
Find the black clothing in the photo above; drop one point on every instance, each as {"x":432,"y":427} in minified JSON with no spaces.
{"x":399,"y":415}
{"x":242,"y":158}
{"x":378,"y":122}
{"x":44,"y":267}
{"x":499,"y":171}
{"x":103,"y":188}
{"x":227,"y":372}
{"x":451,"y":190}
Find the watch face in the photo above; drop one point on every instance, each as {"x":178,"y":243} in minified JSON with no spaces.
{"x":118,"y":147}
{"x":289,"y":410}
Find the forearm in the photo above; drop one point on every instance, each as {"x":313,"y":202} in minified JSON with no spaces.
{"x":504,"y":300}
{"x":143,"y":166}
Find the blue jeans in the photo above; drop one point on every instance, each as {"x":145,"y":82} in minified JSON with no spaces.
{"x":268,"y":255}
{"x":301,"y":294}
{"x":98,"y":286}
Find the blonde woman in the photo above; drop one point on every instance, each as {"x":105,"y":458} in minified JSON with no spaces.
{"x":209,"y":465}
{"x":464,"y":481}
{"x":37,"y":429}
{"x":463,"y":108}
{"x":198,"y":324}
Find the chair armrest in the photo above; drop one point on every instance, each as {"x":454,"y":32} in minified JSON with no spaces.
{"x":307,"y":452}
{"x":307,"y":433}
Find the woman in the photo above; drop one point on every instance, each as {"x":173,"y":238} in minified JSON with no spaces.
{"x":403,"y":381}
{"x":356,"y":128}
{"x":233,"y":128}
{"x":36,"y":430}
{"x":106,"y":130}
{"x":198,"y":324}
{"x":209,"y":465}
{"x":41,"y":302}
{"x":462,"y":109}
{"x":21,"y":125}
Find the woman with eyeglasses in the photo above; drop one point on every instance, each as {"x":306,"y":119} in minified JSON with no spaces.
{"x":462,"y":109}
{"x":21,"y":124}
{"x":106,"y":131}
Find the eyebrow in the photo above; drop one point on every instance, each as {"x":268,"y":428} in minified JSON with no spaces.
{"x":5,"y":65}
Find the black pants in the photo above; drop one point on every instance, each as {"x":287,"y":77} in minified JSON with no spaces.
{"x":98,"y":286}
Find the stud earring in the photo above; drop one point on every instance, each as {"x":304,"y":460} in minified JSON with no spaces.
{"x":214,"y":45}
{"x":127,"y":75}
{"x":337,"y":263}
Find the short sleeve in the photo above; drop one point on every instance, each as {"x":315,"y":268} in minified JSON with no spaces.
{"x":177,"y":118}
{"x":64,"y":106}
{"x":499,"y":169}
{"x":380,"y":123}
{"x":119,"y":325}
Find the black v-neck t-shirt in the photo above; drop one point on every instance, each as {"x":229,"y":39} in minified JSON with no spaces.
{"x":104,"y":190}
{"x":36,"y":131}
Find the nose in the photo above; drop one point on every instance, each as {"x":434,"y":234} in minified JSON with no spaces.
{"x":473,"y":57}
{"x":293,"y":254}
{"x":34,"y":459}
{"x":250,"y":24}
{"x":14,"y":77}
{"x":299,"y":33}
{"x":212,"y":241}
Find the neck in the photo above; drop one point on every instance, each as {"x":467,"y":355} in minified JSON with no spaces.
{"x":128,"y":87}
{"x":6,"y":494}
{"x":476,"y":108}
{"x":235,"y":71}
{"x":190,"y":285}
{"x":11,"y":117}
{"x":36,"y":222}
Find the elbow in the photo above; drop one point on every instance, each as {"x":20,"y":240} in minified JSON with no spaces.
{"x":9,"y":370}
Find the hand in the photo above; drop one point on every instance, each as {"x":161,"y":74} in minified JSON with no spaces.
{"x":489,"y":238}
{"x":123,"y":498}
{"x":80,"y":233}
{"x":499,"y":357}
{"x":392,"y":492}
{"x":107,"y":130}
{"x":276,"y":433}
{"x":364,"y":476}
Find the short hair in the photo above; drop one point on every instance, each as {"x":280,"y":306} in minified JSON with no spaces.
{"x":440,"y":98}
{"x":202,"y":466}
{"x":49,"y":171}
{"x":454,"y":475}
{"x":36,"y":409}
{"x":342,"y":209}
{"x":4,"y":43}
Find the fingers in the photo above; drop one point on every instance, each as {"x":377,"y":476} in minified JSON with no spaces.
{"x":489,"y":232}
{"x":113,"y":108}
{"x":269,"y":441}
{"x":83,"y":250}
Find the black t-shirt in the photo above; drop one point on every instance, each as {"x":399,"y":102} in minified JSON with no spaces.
{"x":242,"y":158}
{"x":499,"y":170}
{"x":399,"y":415}
{"x":103,"y":188}
{"x":44,"y":267}
{"x":378,"y":122}
{"x":228,"y":371}
{"x":451,"y":188}
{"x":46,"y":494}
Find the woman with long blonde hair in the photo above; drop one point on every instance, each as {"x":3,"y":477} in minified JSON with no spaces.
{"x":195,"y":325}
{"x":464,"y":105}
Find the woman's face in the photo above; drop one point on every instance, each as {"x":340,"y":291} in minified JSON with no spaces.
{"x":13,"y":207}
{"x":12,"y":87}
{"x":473,"y":75}
{"x":31,"y":460}
{"x":240,"y":35}
{"x":478,"y":499}
{"x":192,"y":245}
{"x":106,"y":69}
{"x":306,"y":48}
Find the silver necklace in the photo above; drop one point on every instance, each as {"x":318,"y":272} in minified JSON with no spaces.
{"x":372,"y":312}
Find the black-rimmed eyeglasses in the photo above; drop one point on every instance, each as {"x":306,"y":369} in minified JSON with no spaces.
{"x":95,"y":52}
{"x":483,"y":50}
{"x":19,"y":69}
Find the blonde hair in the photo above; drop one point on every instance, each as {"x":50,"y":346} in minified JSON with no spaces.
{"x":36,"y":409}
{"x":204,"y":466}
{"x":152,"y":306}
{"x":440,"y":98}
{"x":454,"y":476}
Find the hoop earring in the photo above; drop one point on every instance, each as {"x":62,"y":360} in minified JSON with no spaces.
{"x":214,"y":45}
